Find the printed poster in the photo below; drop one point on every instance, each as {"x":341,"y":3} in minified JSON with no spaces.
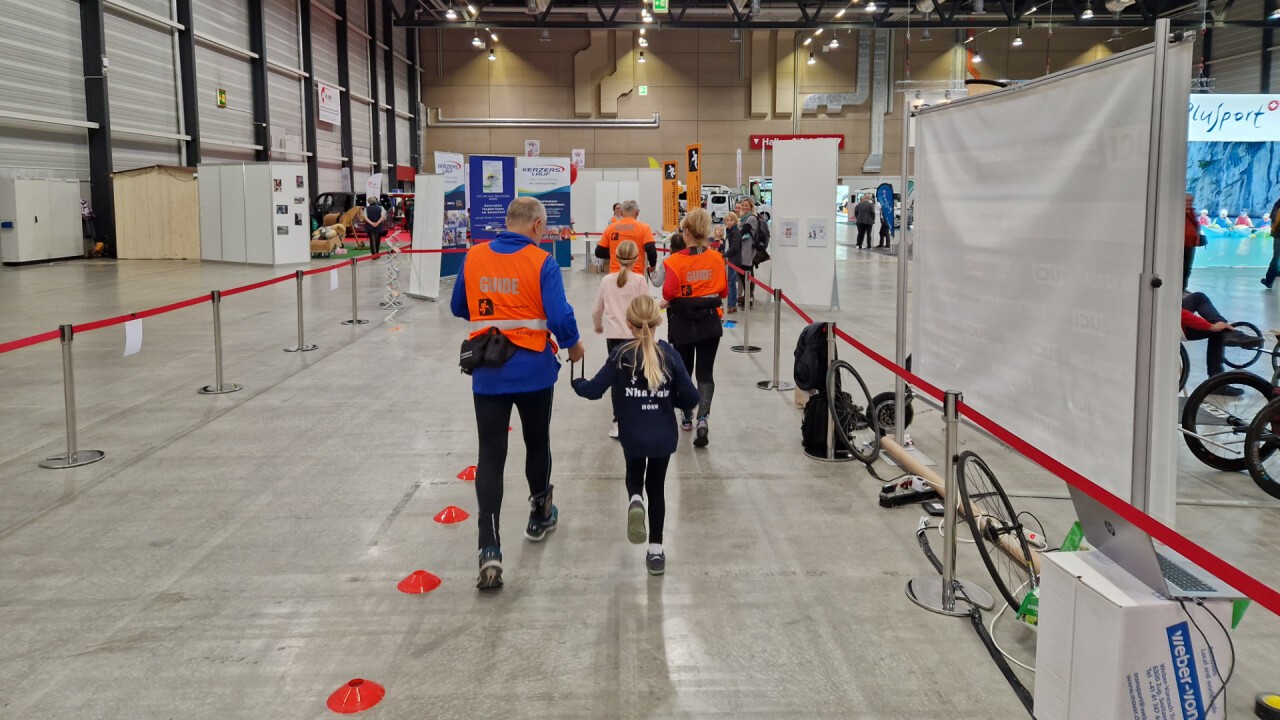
{"x":548,"y":180}
{"x":455,"y":180}
{"x":788,"y":232}
{"x":818,"y":229}
{"x":492,"y":179}
{"x":578,"y":157}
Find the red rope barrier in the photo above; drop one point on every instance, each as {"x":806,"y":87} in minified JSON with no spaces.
{"x":803,"y":315}
{"x":29,"y":341}
{"x":122,"y":319}
{"x":255,"y":286}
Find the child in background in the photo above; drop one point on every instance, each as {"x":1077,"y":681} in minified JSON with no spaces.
{"x":649,"y":382}
{"x":616,"y":292}
{"x":734,"y":249}
{"x":675,"y":243}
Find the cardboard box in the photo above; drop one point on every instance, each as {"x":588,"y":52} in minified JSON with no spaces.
{"x":1111,"y":648}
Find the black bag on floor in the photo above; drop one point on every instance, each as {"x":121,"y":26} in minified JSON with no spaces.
{"x":810,"y":369}
{"x":814,"y":422}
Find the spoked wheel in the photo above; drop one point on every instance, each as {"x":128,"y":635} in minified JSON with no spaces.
{"x":884,"y":407}
{"x":850,"y":405}
{"x":1001,"y":541}
{"x":1260,"y":446}
{"x":1185,"y":369}
{"x":1217,"y":414}
{"x":1241,"y":357}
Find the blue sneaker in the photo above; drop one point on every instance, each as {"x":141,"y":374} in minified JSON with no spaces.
{"x":490,"y":569}
{"x":542,"y":517}
{"x":656,"y":563}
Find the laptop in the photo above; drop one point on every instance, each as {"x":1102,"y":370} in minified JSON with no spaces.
{"x":1161,"y":569}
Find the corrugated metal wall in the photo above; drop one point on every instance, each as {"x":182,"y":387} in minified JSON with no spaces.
{"x":143,"y":88}
{"x":324,"y":62}
{"x":223,"y":61}
{"x":285,"y":82}
{"x":42,"y":34}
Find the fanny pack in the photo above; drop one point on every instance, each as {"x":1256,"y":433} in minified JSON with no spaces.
{"x":490,"y":348}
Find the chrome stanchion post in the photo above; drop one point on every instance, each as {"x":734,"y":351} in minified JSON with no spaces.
{"x":74,"y":457}
{"x":746,"y":346}
{"x":831,"y":424}
{"x":776,"y":383}
{"x":937,"y":593}
{"x":218,"y":387}
{"x":302,"y":345}
{"x":355,"y":318}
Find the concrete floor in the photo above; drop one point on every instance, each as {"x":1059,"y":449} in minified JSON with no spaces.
{"x":237,"y":556}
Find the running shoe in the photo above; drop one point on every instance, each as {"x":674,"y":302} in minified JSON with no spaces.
{"x":686,"y":422}
{"x":702,"y":439}
{"x":1228,"y":390}
{"x":1235,"y":338}
{"x":613,"y":431}
{"x":635,"y":523}
{"x":656,"y":562}
{"x":490,"y":569}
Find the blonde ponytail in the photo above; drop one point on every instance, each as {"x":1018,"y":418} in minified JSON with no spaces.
{"x":626,"y":254}
{"x":643,"y":315}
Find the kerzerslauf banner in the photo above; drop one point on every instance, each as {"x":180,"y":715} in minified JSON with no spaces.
{"x":455,"y":180}
{"x":549,"y":180}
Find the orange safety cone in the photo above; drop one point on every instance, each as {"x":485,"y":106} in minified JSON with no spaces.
{"x":356,"y":696}
{"x":452,"y":514}
{"x":419,"y":582}
{"x":469,"y":474}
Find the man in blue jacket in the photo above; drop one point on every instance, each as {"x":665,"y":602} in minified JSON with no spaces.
{"x":511,"y":285}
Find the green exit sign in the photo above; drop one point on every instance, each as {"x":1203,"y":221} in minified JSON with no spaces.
{"x":644,"y":89}
{"x":222,"y":98}
{"x":661,"y":5}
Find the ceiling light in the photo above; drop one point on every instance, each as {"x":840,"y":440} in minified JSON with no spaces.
{"x":834,"y":43}
{"x":642,"y":31}
{"x":471,"y":8}
{"x":840,"y":13}
{"x":977,"y":56}
{"x":817,"y":32}
{"x":808,"y":40}
{"x":1032,"y":10}
{"x":811,"y":61}
{"x":450,"y":14}
{"x":641,"y":56}
{"x":918,"y":101}
{"x":1275,"y":15}
{"x":545,"y":36}
{"x":1087,"y":14}
{"x":476,"y":42}
{"x":871,"y":6}
{"x":1017,"y":40}
{"x":492,"y":57}
{"x":946,"y":98}
{"x":493,"y":36}
{"x":644,"y":43}
{"x":926,"y":35}
{"x":647,"y":18}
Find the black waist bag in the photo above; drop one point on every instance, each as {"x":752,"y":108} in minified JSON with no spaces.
{"x":490,"y":348}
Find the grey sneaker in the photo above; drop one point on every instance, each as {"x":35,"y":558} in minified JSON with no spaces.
{"x":490,"y":569}
{"x":656,"y":562}
{"x":635,"y":523}
{"x":702,"y":437}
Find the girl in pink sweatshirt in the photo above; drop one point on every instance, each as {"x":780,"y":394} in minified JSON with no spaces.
{"x":616,"y":292}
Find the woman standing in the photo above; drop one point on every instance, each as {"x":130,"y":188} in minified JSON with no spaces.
{"x":616,"y":292}
{"x":693,"y":289}
{"x":732,"y":249}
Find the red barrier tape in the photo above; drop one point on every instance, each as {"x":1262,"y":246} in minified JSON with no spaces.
{"x":803,"y":315}
{"x":255,"y":286}
{"x":1254,"y":589}
{"x":29,"y":341}
{"x":122,"y":319}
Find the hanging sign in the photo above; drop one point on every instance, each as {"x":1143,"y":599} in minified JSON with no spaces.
{"x":493,"y":187}
{"x":373,"y":187}
{"x":329,"y":107}
{"x":762,"y":142}
{"x":1233,"y":118}
{"x":670,"y":195}
{"x":693,"y":177}
{"x":455,"y":180}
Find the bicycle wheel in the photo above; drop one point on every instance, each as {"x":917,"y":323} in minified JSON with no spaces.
{"x":1214,"y":424}
{"x":1260,"y":446}
{"x":1239,"y":357}
{"x":1185,"y":369}
{"x":884,"y":409}
{"x":1001,"y":542}
{"x":850,"y":405}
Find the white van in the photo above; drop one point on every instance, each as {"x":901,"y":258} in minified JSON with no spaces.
{"x":719,"y":204}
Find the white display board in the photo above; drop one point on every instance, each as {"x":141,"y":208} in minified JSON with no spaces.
{"x":256,"y":213}
{"x":428,"y":234}
{"x":647,"y":191}
{"x":804,"y":178}
{"x":1031,"y":224}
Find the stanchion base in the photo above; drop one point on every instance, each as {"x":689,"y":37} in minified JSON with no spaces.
{"x":81,"y":457}
{"x":926,"y":591}
{"x":745,"y":349}
{"x":841,"y":456}
{"x":222,"y":389}
{"x":355,"y":321}
{"x":771,"y":385}
{"x":304,"y":348}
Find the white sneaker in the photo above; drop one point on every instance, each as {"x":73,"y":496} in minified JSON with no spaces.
{"x":613,"y":431}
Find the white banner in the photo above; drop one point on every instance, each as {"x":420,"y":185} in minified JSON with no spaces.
{"x":373,"y":187}
{"x":1233,"y":118}
{"x":329,"y":106}
{"x":1033,"y":318}
{"x":428,"y":234}
{"x":452,"y":167}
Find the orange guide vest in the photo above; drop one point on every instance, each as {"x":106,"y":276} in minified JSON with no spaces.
{"x":626,"y":229}
{"x":505,"y":291}
{"x":700,"y":275}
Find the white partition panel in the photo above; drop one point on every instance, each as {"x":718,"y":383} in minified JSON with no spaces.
{"x":804,"y":179}
{"x":428,"y":234}
{"x":1031,"y":220}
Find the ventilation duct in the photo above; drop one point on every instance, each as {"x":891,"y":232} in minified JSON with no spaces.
{"x":835,"y":102}
{"x":879,"y":103}
{"x":436,"y":119}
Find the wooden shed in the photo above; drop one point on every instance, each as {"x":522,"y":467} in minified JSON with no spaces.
{"x":157,"y":213}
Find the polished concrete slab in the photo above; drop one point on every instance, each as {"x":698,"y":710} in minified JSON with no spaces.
{"x":237,"y":555}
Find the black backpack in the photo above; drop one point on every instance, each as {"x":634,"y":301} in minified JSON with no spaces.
{"x":810,"y":371}
{"x":815,"y":422}
{"x":761,"y":240}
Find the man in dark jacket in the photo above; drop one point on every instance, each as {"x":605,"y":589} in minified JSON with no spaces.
{"x":864,"y":214}
{"x":1274,"y":268}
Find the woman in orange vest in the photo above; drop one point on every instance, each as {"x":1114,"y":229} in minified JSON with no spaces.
{"x":693,"y":289}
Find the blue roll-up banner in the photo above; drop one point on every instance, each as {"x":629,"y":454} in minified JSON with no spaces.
{"x":451,"y":167}
{"x":884,"y":194}
{"x":549,"y":180}
{"x":493,"y":187}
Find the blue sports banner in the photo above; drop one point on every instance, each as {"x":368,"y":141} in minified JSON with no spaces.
{"x":548,"y":180}
{"x":493,"y":187}
{"x":884,"y":194}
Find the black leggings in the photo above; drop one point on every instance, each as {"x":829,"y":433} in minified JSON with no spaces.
{"x":375,"y":241}
{"x":650,"y":475}
{"x":700,"y":360}
{"x":1200,"y":304}
{"x":493,"y":417}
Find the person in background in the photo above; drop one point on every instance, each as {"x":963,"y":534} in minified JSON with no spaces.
{"x":675,"y":244}
{"x":617,"y":290}
{"x":648,"y":383}
{"x":749,"y":229}
{"x":1243,"y":220}
{"x":1222,"y":222}
{"x":1202,"y":321}
{"x":1273,"y":269}
{"x":693,"y":289}
{"x":617,"y":213}
{"x":732,"y":249}
{"x":515,"y":287}
{"x":864,"y":214}
{"x":885,"y":235}
{"x":1204,"y":218}
{"x":628,"y":227}
{"x":374,"y":215}
{"x":1193,"y":237}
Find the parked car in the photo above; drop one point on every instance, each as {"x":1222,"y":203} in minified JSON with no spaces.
{"x":333,"y":203}
{"x":719,"y":204}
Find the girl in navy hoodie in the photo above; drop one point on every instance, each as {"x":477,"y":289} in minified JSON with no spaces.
{"x":649,"y":381}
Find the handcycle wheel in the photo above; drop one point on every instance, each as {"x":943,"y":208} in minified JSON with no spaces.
{"x":850,"y":405}
{"x":1185,"y":369}
{"x":1214,"y":425}
{"x":1239,"y":357}
{"x":883,"y":406}
{"x":997,"y":533}
{"x":1260,"y":446}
